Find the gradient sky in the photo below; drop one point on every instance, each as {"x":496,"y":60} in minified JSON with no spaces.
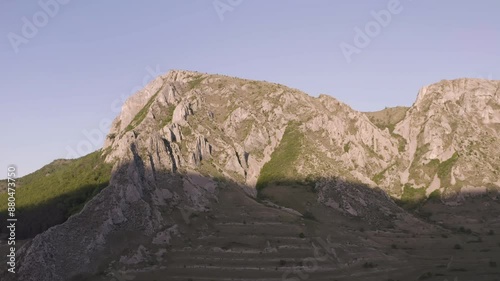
{"x":64,"y":80}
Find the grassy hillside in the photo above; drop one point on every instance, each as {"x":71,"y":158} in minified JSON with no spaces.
{"x":45,"y":170}
{"x":3,"y":186}
{"x":52,"y":194}
{"x":388,"y":117}
{"x":281,"y":166}
{"x":279,"y":176}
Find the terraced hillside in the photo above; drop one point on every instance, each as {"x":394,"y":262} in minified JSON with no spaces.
{"x":243,"y":239}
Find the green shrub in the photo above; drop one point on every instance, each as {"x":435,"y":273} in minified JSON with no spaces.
{"x":370,"y":265}
{"x":426,"y":275}
{"x":308,"y":215}
{"x":347,"y":147}
{"x":465,"y":230}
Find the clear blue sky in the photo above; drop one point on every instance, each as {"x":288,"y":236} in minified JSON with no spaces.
{"x":64,"y":79}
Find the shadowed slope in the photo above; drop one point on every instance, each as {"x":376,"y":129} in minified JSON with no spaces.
{"x":55,"y":192}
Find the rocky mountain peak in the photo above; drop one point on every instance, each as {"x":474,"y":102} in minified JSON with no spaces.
{"x":450,"y":122}
{"x":199,"y":142}
{"x":463,"y":90}
{"x":239,"y":117}
{"x":225,"y":118}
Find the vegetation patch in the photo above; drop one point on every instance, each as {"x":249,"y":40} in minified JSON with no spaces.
{"x":370,"y":265}
{"x":195,"y":82}
{"x":167,"y":118}
{"x":418,"y":168}
{"x":186,"y":131}
{"x":244,"y":128}
{"x":139,"y":117}
{"x":380,"y":176}
{"x":425,"y":276}
{"x":280,"y":169}
{"x":308,"y":215}
{"x":388,"y":117}
{"x":347,"y":147}
{"x":412,"y":197}
{"x":444,"y":169}
{"x":52,"y":194}
{"x":401,"y":142}
{"x":435,"y":195}
{"x":3,"y":186}
{"x":419,"y":153}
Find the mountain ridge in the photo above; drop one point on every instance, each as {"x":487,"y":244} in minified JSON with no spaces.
{"x":326,"y":103}
{"x":189,"y":143}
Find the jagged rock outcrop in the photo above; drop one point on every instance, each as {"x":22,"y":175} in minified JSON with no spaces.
{"x":452,"y":136}
{"x":243,"y":121}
